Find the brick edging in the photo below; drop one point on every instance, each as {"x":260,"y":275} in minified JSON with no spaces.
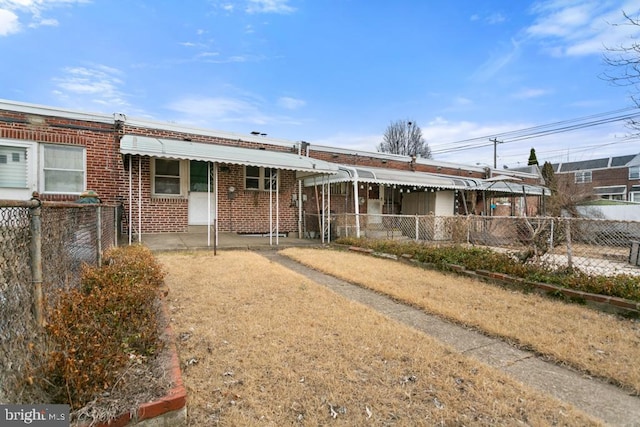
{"x":174,"y":400}
{"x":613,"y":303}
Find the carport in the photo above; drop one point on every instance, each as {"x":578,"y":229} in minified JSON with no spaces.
{"x":135,"y":147}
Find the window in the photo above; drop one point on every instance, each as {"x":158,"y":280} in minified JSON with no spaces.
{"x":167,"y":177}
{"x":63,"y":169}
{"x":339,"y":188}
{"x":634,"y":196}
{"x":257,"y":178}
{"x":583,"y":177}
{"x":13,"y":167}
{"x":634,"y":172}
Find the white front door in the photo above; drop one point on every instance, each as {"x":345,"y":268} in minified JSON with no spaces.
{"x":374,"y":204}
{"x":199,"y":197}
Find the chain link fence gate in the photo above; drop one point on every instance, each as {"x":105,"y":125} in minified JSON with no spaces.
{"x":42,"y":248}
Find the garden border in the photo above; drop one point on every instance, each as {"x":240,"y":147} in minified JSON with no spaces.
{"x":602,"y":302}
{"x":169,"y":410}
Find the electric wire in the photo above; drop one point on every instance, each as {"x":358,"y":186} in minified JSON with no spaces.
{"x":623,"y":114}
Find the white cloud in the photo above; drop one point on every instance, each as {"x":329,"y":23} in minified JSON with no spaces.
{"x":269,"y":6}
{"x":9,"y":23}
{"x":497,"y":62}
{"x":212,"y":111}
{"x":99,"y":84}
{"x":530,"y":93}
{"x":582,"y":28}
{"x":291,"y":103}
{"x":496,"y":18}
{"x":12,"y":12}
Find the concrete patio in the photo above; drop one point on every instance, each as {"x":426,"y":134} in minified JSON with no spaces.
{"x":199,"y":240}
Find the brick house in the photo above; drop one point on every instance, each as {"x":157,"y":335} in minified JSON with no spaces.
{"x":169,"y":177}
{"x":613,"y":178}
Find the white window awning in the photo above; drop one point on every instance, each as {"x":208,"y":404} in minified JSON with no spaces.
{"x":225,"y":154}
{"x":398,"y":177}
{"x":611,"y":190}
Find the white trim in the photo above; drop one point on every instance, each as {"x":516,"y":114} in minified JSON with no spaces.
{"x":32,"y":169}
{"x":43,"y":110}
{"x":183,"y":177}
{"x":41,"y":168}
{"x":183,"y":128}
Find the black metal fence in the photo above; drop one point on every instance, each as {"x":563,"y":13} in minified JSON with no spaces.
{"x":42,"y":248}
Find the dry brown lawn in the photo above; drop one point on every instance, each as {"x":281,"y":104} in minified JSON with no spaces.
{"x":601,"y":344}
{"x":262,"y":345}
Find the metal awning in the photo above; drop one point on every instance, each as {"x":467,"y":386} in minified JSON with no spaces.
{"x":225,"y":154}
{"x":610,"y":190}
{"x":504,"y":186}
{"x":398,"y":177}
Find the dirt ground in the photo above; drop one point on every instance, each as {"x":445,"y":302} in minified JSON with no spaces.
{"x":263,"y":345}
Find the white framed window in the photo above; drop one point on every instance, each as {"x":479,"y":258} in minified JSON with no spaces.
{"x":259,"y":178}
{"x":13,"y":167}
{"x":168,"y":177}
{"x":634,"y":172}
{"x":583,"y":177}
{"x":339,"y":188}
{"x":634,"y":196}
{"x":63,"y":169}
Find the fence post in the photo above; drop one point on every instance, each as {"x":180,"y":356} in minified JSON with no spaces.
{"x":36,"y":263}
{"x":99,"y":235}
{"x":551,"y":236}
{"x":569,"y":246}
{"x":417,"y":227}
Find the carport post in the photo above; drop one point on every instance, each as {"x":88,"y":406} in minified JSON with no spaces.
{"x":356,"y":203}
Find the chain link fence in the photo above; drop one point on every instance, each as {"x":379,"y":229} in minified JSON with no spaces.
{"x":42,"y":249}
{"x":594,"y":246}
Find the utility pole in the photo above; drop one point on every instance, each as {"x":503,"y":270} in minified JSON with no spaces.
{"x":495,"y":151}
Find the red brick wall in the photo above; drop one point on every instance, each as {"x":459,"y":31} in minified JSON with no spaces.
{"x":103,"y":161}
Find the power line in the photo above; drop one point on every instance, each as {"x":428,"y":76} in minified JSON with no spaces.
{"x":539,"y":130}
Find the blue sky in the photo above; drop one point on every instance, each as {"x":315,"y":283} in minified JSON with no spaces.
{"x":332,"y":72}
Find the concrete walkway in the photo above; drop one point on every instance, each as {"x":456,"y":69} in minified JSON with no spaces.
{"x":601,"y":400}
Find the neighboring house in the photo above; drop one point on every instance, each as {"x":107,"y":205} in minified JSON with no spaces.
{"x":170,"y":177}
{"x":613,"y":178}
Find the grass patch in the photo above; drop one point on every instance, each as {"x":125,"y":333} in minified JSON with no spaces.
{"x":601,"y":344}
{"x":475,"y":258}
{"x":260,"y":344}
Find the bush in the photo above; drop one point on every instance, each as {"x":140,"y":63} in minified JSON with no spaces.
{"x":623,"y":286}
{"x":96,"y":330}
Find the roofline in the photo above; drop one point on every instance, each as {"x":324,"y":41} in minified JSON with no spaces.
{"x":400,"y":158}
{"x":175,"y":127}
{"x":44,"y":110}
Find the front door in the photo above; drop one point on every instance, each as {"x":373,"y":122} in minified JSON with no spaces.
{"x":198,"y":195}
{"x":374,"y":204}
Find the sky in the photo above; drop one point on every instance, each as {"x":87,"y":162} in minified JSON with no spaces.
{"x":336,"y":72}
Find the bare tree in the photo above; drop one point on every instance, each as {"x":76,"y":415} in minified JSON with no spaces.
{"x":624,"y":64}
{"x":404,"y":137}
